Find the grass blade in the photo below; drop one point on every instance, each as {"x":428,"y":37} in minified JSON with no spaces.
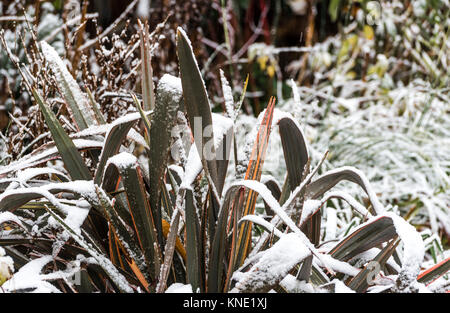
{"x":69,"y":153}
{"x":328,"y":180}
{"x":194,"y":272}
{"x":112,"y":143}
{"x":254,"y":170}
{"x":294,"y":149}
{"x":79,"y":106}
{"x":197,"y":106}
{"x":163,"y":120}
{"x":148,"y":94}
{"x":434,"y":272}
{"x":126,"y":165}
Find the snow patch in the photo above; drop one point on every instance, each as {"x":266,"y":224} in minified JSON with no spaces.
{"x":274,"y":264}
{"x":179,"y":288}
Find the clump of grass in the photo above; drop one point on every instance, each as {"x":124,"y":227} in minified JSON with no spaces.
{"x":138,"y":217}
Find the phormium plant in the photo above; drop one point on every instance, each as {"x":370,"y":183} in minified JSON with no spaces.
{"x":146,"y":221}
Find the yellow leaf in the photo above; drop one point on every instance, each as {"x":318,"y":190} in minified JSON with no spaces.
{"x":178,"y":245}
{"x":351,"y":75}
{"x":368,"y":32}
{"x":262,"y":60}
{"x":271,"y":70}
{"x":352,"y":40}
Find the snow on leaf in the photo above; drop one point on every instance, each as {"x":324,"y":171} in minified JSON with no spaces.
{"x":309,"y":208}
{"x":221,"y":126}
{"x":273,"y":266}
{"x":29,"y":277}
{"x":78,"y":104}
{"x":228,"y":96}
{"x":179,"y":288}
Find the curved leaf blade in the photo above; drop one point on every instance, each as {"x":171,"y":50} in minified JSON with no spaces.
{"x":197,"y":105}
{"x":368,"y":236}
{"x":68,"y":151}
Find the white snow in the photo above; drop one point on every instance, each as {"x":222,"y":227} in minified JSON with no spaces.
{"x":260,"y":188}
{"x":331,"y":224}
{"x":34,"y":159}
{"x":309,"y":208}
{"x":370,"y":254}
{"x":340,"y":287}
{"x":63,"y":76}
{"x":101,"y":259}
{"x":413,"y":248}
{"x":27,"y":174}
{"x":274,"y":264}
{"x":171,"y":84}
{"x":221,"y":125}
{"x":228,"y":96}
{"x":293,"y":285}
{"x":75,"y":215}
{"x":378,"y":207}
{"x":265,"y":193}
{"x":193,"y":167}
{"x":10,"y":217}
{"x":179,"y":288}
{"x":122,"y":160}
{"x":260,"y":221}
{"x":29,"y":277}
{"x":338,"y":266}
{"x":143,"y":9}
{"x":6,"y":266}
{"x":349,"y":199}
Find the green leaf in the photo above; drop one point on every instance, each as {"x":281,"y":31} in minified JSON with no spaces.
{"x":79,"y":106}
{"x":364,"y":238}
{"x":436,"y":271}
{"x":318,"y":277}
{"x":69,"y":153}
{"x":194,"y":272}
{"x":275,"y":190}
{"x":333,"y":9}
{"x":112,"y":144}
{"x":296,"y":158}
{"x":169,"y":250}
{"x":197,"y":106}
{"x":148,"y":94}
{"x":162,"y":123}
{"x":224,"y":148}
{"x":133,"y":255}
{"x":126,"y":165}
{"x":294,"y":149}
{"x":328,"y":180}
{"x":219,"y":244}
